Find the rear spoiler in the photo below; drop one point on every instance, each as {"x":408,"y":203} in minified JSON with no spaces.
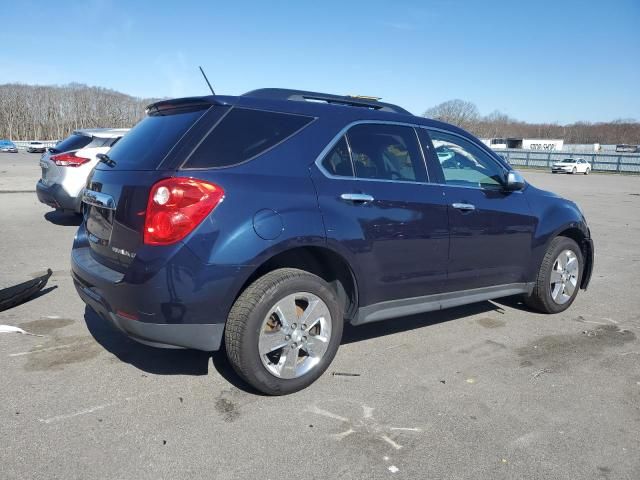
{"x":189,"y":103}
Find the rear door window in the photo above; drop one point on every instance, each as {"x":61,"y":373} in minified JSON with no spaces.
{"x":386,"y":152}
{"x":338,"y":161}
{"x":148,"y":143}
{"x":243,"y":134}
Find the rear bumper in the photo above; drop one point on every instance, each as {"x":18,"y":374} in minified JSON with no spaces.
{"x":206,"y":337}
{"x":56,"y":197}
{"x":166,"y":298}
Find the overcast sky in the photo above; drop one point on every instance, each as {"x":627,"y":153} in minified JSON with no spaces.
{"x":542,"y":61}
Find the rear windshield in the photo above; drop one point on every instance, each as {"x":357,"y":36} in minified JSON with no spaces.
{"x":242,"y":135}
{"x":73,"y":142}
{"x":145,"y":146}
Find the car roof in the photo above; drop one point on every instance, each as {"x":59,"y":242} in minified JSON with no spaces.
{"x":345,"y":109}
{"x":102,"y":132}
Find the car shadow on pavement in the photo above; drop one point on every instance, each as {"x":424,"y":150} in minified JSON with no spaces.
{"x":153,"y":360}
{"x":161,"y":361}
{"x":64,"y":219}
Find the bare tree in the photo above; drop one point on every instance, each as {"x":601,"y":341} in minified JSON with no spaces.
{"x":457,"y":112}
{"x":29,"y":112}
{"x":499,"y":125}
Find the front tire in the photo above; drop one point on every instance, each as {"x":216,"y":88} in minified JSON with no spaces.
{"x":283,"y":331}
{"x":559,"y":277}
{"x":586,"y":172}
{"x":573,"y":172}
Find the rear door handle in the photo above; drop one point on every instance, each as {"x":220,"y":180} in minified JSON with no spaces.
{"x":467,"y":207}
{"x":356,"y":197}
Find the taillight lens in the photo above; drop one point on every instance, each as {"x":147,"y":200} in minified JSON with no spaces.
{"x":176,"y":206}
{"x":69,"y":159}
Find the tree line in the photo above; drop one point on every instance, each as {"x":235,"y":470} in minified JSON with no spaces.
{"x":499,"y":125}
{"x":34,"y":112}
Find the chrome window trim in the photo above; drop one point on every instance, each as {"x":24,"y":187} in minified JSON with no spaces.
{"x":343,"y":132}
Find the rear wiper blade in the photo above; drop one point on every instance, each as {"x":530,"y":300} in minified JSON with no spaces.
{"x":104,"y":158}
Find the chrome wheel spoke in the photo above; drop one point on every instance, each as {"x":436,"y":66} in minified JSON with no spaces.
{"x":315,"y":312}
{"x":286,"y":311}
{"x":570,"y":287}
{"x":316,"y":346}
{"x":289,"y":363}
{"x":556,"y":276}
{"x":271,"y":342}
{"x":572,"y":266}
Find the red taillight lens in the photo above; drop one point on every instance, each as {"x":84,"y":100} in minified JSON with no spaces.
{"x":176,"y":206}
{"x":69,"y":160}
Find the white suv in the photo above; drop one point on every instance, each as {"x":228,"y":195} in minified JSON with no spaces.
{"x":66,"y":167}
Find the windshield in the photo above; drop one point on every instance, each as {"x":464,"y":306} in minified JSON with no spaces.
{"x":568,"y":160}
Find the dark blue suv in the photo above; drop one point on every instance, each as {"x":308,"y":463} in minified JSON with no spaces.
{"x":266,"y":221}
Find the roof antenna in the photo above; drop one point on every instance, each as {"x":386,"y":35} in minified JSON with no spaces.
{"x":207,"y":80}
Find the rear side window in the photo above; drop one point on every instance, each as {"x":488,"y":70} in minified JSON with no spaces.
{"x":338,"y":161}
{"x":386,"y":152}
{"x":73,"y":142}
{"x":145,"y":145}
{"x":242,"y":135}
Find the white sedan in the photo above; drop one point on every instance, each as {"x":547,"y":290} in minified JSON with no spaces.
{"x":572,"y":165}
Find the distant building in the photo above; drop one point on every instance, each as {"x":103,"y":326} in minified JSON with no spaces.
{"x":524,"y":143}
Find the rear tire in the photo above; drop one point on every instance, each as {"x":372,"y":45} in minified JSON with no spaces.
{"x":274,"y":311}
{"x":556,"y":287}
{"x":586,"y":172}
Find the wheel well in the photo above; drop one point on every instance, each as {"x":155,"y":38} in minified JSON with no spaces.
{"x":322,"y":262}
{"x":579,"y":237}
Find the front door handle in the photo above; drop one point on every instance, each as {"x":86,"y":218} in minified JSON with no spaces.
{"x":356,"y":197}
{"x":467,"y":207}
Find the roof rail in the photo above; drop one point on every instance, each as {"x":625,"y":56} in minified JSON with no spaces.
{"x":302,"y":95}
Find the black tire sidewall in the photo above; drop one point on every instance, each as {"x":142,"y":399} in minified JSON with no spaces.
{"x":255,"y":371}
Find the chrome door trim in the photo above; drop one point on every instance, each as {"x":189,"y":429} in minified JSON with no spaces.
{"x":357,"y":197}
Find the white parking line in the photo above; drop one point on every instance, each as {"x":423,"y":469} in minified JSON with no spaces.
{"x":66,"y":416}
{"x":19,"y":354}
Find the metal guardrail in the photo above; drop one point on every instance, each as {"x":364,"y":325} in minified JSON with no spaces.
{"x":612,"y":162}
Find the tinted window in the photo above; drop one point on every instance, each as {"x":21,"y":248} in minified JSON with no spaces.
{"x":243,"y":134}
{"x":146,"y":144}
{"x":386,"y":152}
{"x":102,"y":142}
{"x":73,"y":142}
{"x":338,"y":161}
{"x":464,"y":163}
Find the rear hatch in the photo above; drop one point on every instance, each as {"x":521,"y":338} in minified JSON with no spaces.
{"x":52,"y":173}
{"x":118,"y":189}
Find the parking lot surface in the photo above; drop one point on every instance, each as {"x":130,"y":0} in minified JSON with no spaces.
{"x":487,"y":391}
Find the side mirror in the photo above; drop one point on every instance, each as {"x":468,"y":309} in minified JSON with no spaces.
{"x":515,"y":181}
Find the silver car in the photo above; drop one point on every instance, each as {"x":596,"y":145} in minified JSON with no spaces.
{"x":66,"y":167}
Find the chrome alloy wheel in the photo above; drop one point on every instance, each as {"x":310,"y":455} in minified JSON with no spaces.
{"x":564,"y":277}
{"x":294,"y":335}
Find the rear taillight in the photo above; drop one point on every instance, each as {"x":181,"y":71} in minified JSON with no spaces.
{"x":69,"y":159}
{"x":176,"y":206}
